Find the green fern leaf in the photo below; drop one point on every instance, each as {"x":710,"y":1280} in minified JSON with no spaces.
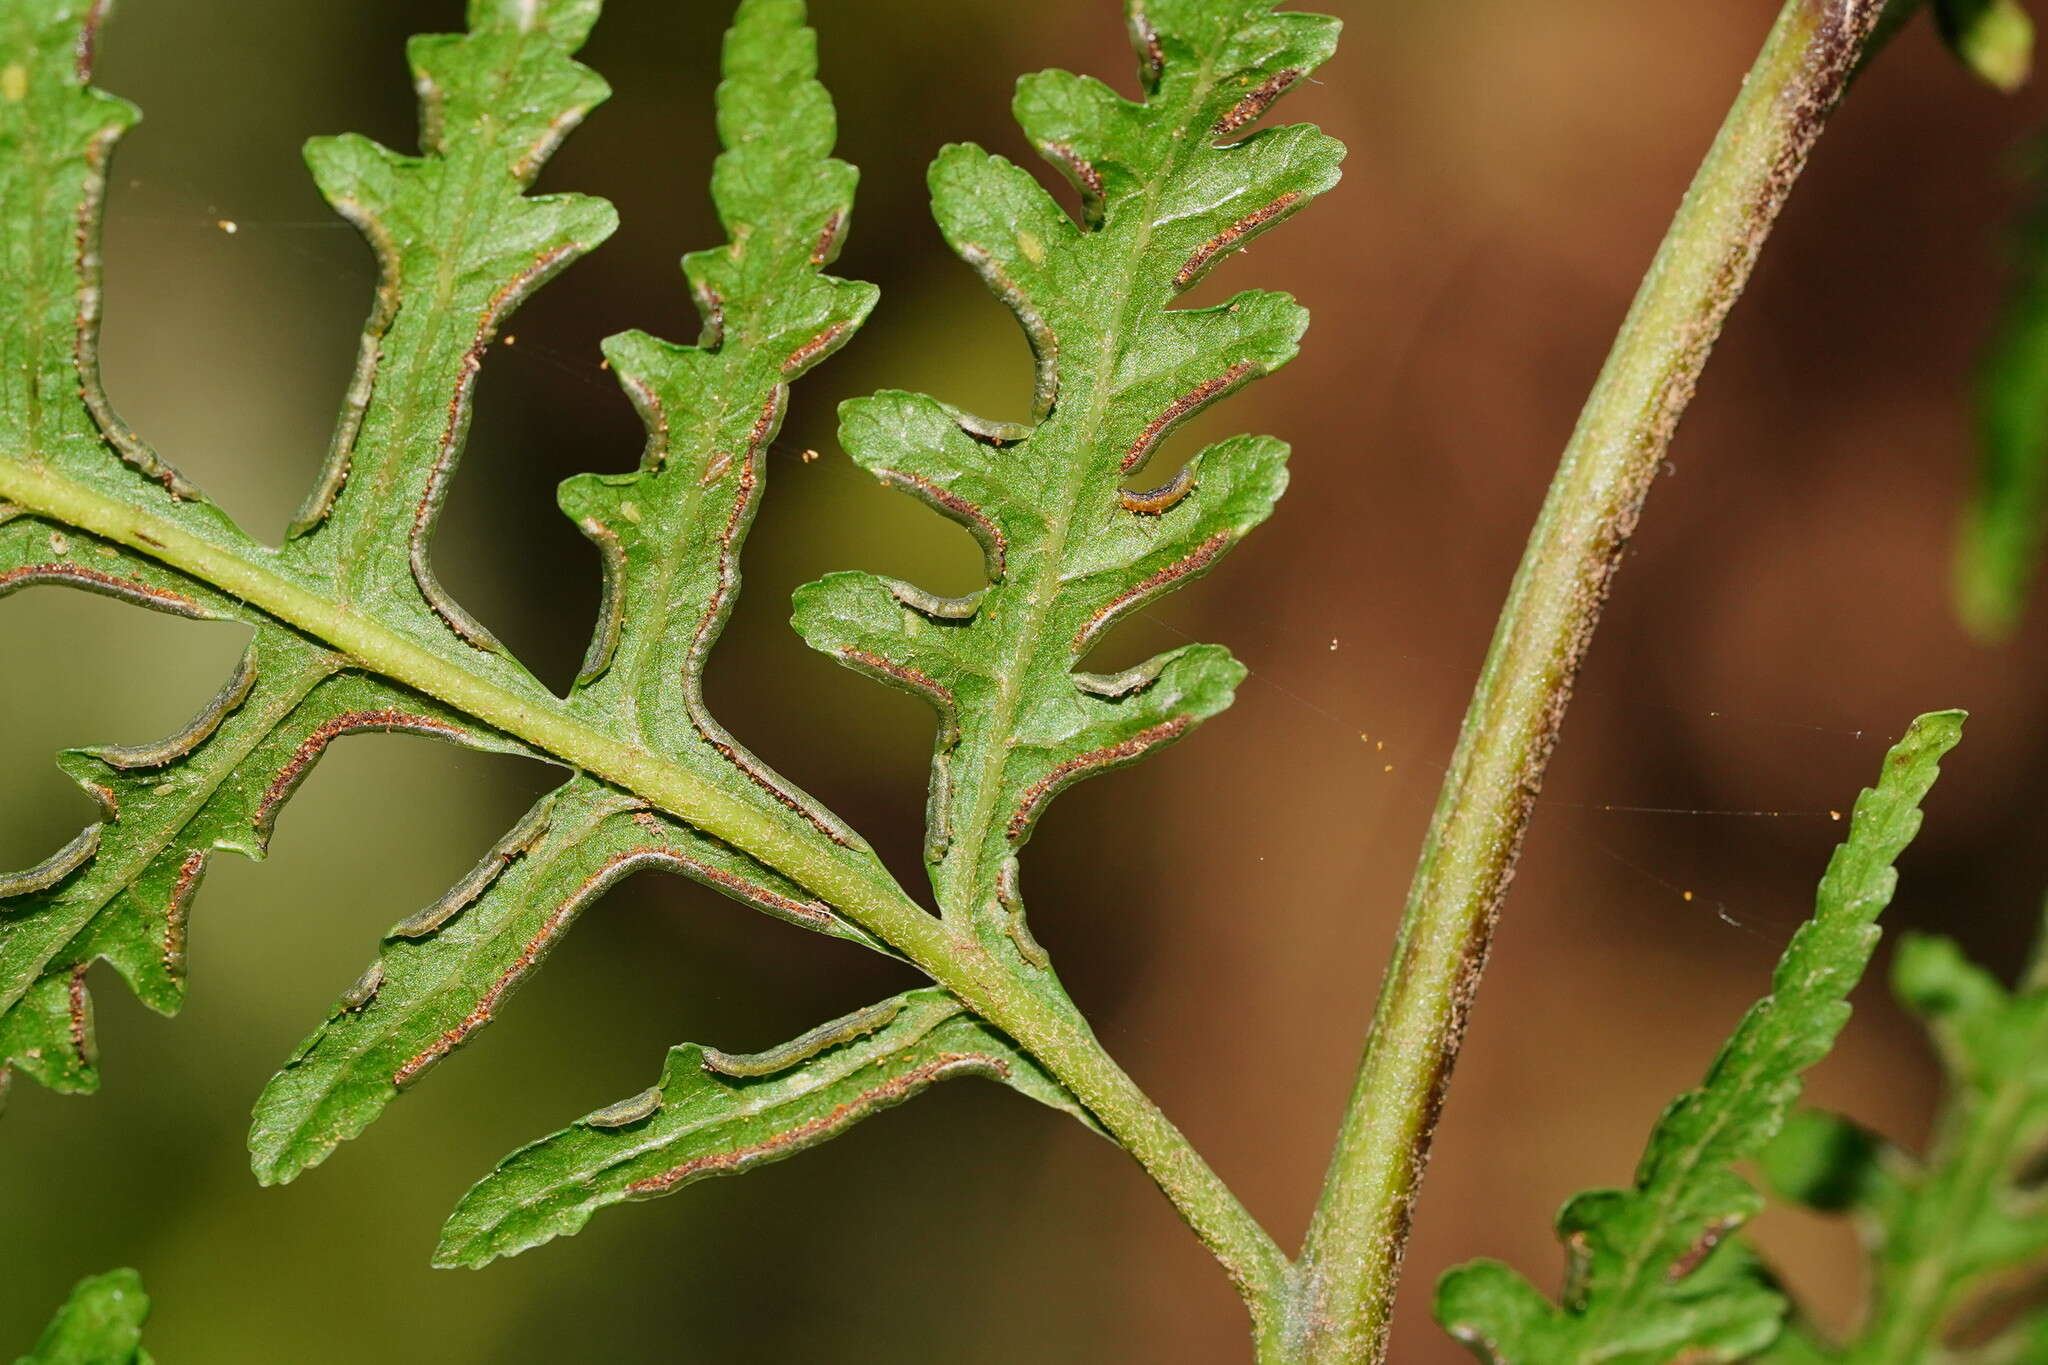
{"x":1655,"y":1275}
{"x":1999,"y":552}
{"x":100,"y":1324}
{"x":1950,"y":1236}
{"x":123,"y":889}
{"x":1170,"y":186}
{"x":713,"y":1114}
{"x":670,"y":535}
{"x":1993,"y":38}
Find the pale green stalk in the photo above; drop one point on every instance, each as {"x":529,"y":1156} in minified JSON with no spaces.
{"x":1360,"y":1229}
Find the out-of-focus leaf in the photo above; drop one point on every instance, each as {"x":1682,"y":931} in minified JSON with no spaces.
{"x":1994,"y":39}
{"x":1655,"y":1275}
{"x":100,"y":1324}
{"x":2000,"y":548}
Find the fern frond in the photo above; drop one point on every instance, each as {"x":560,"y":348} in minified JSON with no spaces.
{"x":1078,"y":519}
{"x":352,"y":630}
{"x":122,"y":892}
{"x":713,"y":1114}
{"x":1655,"y":1274}
{"x":670,"y":535}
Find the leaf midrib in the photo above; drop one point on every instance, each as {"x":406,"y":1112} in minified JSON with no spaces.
{"x":964,"y":871}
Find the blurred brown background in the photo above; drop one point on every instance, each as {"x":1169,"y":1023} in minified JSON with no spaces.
{"x":1224,"y":910}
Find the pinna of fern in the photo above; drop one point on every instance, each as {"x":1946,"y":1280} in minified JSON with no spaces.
{"x":353,"y":632}
{"x":1169,"y":187}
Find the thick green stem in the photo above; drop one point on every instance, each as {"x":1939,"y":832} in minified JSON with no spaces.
{"x":1360,"y":1229}
{"x":856,"y":885}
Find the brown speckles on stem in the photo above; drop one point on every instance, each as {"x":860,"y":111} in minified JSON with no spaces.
{"x":1256,"y":102}
{"x":892,"y":1091}
{"x":1194,"y":562}
{"x":1084,"y":765}
{"x":1184,"y":407}
{"x":1355,"y":1242}
{"x":1235,"y":236}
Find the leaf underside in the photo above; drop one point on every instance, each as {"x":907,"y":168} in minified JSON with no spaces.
{"x":1081,"y":518}
{"x":669,"y":536}
{"x":1171,"y":186}
{"x":700,"y":1121}
{"x":1993,"y":38}
{"x":122,"y":890}
{"x":460,"y":244}
{"x":1655,"y":1273}
{"x":100,"y":1324}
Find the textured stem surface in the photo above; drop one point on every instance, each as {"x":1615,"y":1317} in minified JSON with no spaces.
{"x":1360,"y":1228}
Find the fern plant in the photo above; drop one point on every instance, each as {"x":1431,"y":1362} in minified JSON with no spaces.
{"x":1082,"y":517}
